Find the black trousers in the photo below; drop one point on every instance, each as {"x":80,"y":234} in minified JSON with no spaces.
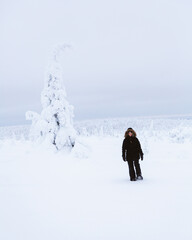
{"x":134,"y":166}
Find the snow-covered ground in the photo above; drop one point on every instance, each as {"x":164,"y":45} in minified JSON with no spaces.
{"x":87,"y":194}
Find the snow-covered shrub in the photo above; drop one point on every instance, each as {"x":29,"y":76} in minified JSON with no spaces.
{"x":55,"y":123}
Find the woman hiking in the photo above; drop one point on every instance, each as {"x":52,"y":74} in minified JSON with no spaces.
{"x":132,"y":152}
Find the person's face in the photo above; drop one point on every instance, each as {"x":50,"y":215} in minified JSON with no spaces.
{"x":130,"y":134}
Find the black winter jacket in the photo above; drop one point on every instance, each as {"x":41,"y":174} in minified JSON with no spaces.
{"x":131,"y":149}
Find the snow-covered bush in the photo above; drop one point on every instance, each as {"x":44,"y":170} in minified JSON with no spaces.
{"x":55,"y":123}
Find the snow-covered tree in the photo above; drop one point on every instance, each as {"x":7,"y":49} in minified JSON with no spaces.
{"x":55,"y":123}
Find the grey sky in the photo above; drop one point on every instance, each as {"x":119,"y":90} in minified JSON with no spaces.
{"x":128,"y":57}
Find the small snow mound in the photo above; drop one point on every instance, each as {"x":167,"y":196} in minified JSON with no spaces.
{"x":81,"y":149}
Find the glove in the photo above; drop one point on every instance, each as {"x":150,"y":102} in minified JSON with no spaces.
{"x":141,"y":157}
{"x":123,"y":158}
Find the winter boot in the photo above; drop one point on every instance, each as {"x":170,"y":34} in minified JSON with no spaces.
{"x":133,"y":179}
{"x":139,"y":177}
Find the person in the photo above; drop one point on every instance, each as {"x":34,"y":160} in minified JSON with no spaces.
{"x":131,"y":153}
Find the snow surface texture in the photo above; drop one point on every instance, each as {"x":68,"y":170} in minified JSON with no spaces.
{"x":87,"y":194}
{"x":54,"y":126}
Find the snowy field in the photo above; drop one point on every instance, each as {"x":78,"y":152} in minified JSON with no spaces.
{"x":87,"y":195}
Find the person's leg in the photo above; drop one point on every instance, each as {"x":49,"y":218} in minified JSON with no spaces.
{"x":131,"y":170}
{"x":137,"y":167}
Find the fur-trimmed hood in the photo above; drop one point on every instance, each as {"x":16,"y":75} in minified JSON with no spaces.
{"x":130,"y":130}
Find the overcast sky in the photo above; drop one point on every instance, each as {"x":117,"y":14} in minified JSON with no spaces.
{"x":128,"y":58}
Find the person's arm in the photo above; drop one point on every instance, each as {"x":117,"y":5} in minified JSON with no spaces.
{"x":140,"y":149}
{"x":123,"y":150}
